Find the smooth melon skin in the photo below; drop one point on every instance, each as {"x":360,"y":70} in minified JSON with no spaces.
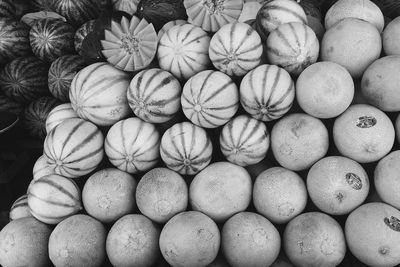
{"x":373,"y":234}
{"x":380,"y":83}
{"x":397,"y":125}
{"x":249,"y":239}
{"x":133,"y":241}
{"x":23,"y":242}
{"x":391,"y":37}
{"x":352,"y":43}
{"x":78,"y":241}
{"x":314,"y":239}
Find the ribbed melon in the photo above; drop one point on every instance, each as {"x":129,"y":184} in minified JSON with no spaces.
{"x":267,"y":92}
{"x":235,"y":49}
{"x":76,"y":12}
{"x":133,"y":145}
{"x":128,"y":6}
{"x":74,"y":147}
{"x":59,"y":114}
{"x":42,"y":168}
{"x":20,"y":208}
{"x":51,"y":38}
{"x":53,"y":198}
{"x":244,"y":140}
{"x":81,"y":33}
{"x":210,"y":99}
{"x":61,"y":73}
{"x":7,"y":9}
{"x":98,"y":93}
{"x":9,"y":105}
{"x":154,"y":95}
{"x":24,"y":79}
{"x":169,"y":25}
{"x":186,"y":148}
{"x":14,"y":40}
{"x":183,"y":51}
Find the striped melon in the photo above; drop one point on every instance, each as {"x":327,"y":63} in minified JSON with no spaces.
{"x":35,"y":115}
{"x":183,"y":51}
{"x":20,"y":208}
{"x":186,"y":148}
{"x":98,"y":93}
{"x":133,"y":145}
{"x":59,"y":114}
{"x":74,"y":148}
{"x":53,"y":198}
{"x":81,"y":33}
{"x":211,"y":15}
{"x":7,"y":9}
{"x":130,"y":45}
{"x":9,"y":105}
{"x":14,"y":40}
{"x":277,"y":12}
{"x":51,"y":38}
{"x":76,"y":12}
{"x":61,"y":73}
{"x":169,"y":25}
{"x":128,"y":6}
{"x":210,"y":99}
{"x":154,"y":95}
{"x":293,"y":46}
{"x":235,"y":49}
{"x":244,"y":140}
{"x":267,"y":92}
{"x":42,"y":168}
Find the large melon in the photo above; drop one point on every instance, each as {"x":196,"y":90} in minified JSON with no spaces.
{"x":76,"y":12}
{"x":59,"y":114}
{"x":14,"y":40}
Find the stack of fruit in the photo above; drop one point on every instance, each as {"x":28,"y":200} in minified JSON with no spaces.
{"x":205,"y":133}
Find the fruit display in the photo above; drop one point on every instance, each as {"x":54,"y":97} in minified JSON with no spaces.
{"x":192,"y":133}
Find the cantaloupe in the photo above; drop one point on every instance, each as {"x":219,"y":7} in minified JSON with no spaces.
{"x":58,"y":115}
{"x":20,"y":208}
{"x":42,"y":168}
{"x":391,"y":37}
{"x":168,"y":26}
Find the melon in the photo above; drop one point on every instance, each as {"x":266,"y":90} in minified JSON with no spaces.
{"x":154,"y":95}
{"x":244,"y":140}
{"x":98,"y":94}
{"x":161,"y":194}
{"x":324,"y":90}
{"x":133,"y":145}
{"x":7,"y":9}
{"x":51,"y":38}
{"x":190,"y":239}
{"x":298,"y":141}
{"x":39,"y":5}
{"x":210,"y":99}
{"x":133,"y":241}
{"x":128,"y":6}
{"x":79,"y":240}
{"x":42,"y":168}
{"x":61,"y":73}
{"x":53,"y":198}
{"x":373,"y":234}
{"x":81,"y":34}
{"x":391,"y":37}
{"x":109,"y":194}
{"x":169,"y":25}
{"x":397,"y":125}
{"x":59,"y":114}
{"x":186,"y":148}
{"x":221,"y":190}
{"x":183,"y":51}
{"x":74,"y":148}
{"x":249,"y":239}
{"x":19,"y":208}
{"x":363,"y":133}
{"x":235,"y":49}
{"x":314,"y":239}
{"x":337,"y":185}
{"x":267,"y":92}
{"x":279,"y":194}
{"x":14,"y":40}
{"x":76,"y":12}
{"x":9,"y":105}
{"x":23,"y":242}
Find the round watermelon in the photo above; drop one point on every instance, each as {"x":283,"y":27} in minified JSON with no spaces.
{"x":76,"y":12}
{"x":14,"y":41}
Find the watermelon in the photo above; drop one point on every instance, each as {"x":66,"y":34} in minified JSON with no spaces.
{"x":20,"y":208}
{"x":51,"y":38}
{"x":35,"y":114}
{"x":81,"y":33}
{"x":24,"y":79}
{"x":61,"y":73}
{"x":14,"y":40}
{"x":7,"y":9}
{"x":76,"y":12}
{"x":128,"y":6}
{"x":9,"y":105}
{"x":59,"y":114}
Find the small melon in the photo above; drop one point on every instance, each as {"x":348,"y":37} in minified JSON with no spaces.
{"x":391,"y":38}
{"x":42,"y":168}
{"x":20,"y":208}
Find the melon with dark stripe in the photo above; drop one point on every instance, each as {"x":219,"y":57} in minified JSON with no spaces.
{"x":54,"y":198}
{"x":293,"y":46}
{"x":81,"y":33}
{"x":210,"y":99}
{"x":235,"y":49}
{"x":20,"y":208}
{"x":183,"y":51}
{"x":76,"y":12}
{"x":133,"y":145}
{"x":42,"y":168}
{"x":14,"y":40}
{"x":211,"y":15}
{"x":74,"y":148}
{"x":35,"y":115}
{"x":244,"y":140}
{"x":267,"y":92}
{"x":9,"y":105}
{"x":61,"y":73}
{"x":277,"y":12}
{"x":186,"y":148}
{"x":98,"y":93}
{"x":51,"y":38}
{"x":169,"y":25}
{"x":154,"y":95}
{"x":7,"y":9}
{"x":59,"y":114}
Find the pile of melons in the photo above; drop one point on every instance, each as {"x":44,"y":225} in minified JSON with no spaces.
{"x":204,"y":133}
